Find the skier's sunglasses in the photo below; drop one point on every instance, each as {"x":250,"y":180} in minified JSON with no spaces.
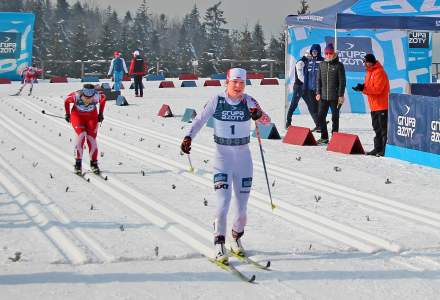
{"x":88,"y":93}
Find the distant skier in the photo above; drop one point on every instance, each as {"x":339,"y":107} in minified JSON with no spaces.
{"x":232,"y":111}
{"x":84,"y":117}
{"x":118,"y":68}
{"x":29,"y":75}
{"x":138,"y":68}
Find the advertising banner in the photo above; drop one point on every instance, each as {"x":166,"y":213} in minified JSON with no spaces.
{"x":414,"y":124}
{"x":405,"y":57}
{"x":389,"y":47}
{"x":16,"y":31}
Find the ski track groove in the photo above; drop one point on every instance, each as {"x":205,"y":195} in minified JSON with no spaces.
{"x":323,"y":226}
{"x":56,"y":236}
{"x":100,"y":256}
{"x":387,"y":205}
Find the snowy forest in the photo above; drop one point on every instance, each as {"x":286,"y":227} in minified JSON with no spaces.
{"x":82,"y":32}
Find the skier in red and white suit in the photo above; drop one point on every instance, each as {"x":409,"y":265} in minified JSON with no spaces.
{"x":30,"y":74}
{"x":84,"y":117}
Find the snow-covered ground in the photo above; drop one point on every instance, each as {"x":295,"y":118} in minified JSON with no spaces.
{"x":144,"y":233}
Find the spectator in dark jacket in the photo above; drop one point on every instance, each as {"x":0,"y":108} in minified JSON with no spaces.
{"x":330,"y":89}
{"x":138,"y":68}
{"x":310,"y":74}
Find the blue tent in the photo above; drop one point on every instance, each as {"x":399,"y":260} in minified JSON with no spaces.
{"x":384,"y":28}
{"x":16,"y":31}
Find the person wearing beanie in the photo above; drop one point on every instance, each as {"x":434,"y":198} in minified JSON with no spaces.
{"x":377,"y":88}
{"x":138,"y":68}
{"x":84,"y":117}
{"x":233,"y":112}
{"x":298,"y":87}
{"x":118,"y":68}
{"x":330,"y":90}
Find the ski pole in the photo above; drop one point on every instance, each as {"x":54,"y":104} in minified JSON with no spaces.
{"x":51,"y":115}
{"x":191,"y":168}
{"x":257,"y":133}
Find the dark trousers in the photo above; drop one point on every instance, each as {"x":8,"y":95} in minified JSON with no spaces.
{"x":379,"y":120}
{"x":138,"y":85}
{"x":322,"y":115}
{"x":309,"y":98}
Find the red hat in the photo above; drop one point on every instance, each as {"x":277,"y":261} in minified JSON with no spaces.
{"x":116,"y":53}
{"x":329,"y":49}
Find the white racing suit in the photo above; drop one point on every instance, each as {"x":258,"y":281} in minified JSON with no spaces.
{"x":233,"y":162}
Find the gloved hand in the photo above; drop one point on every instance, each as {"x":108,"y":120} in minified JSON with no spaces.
{"x":186,"y":145}
{"x":255,"y":113}
{"x":67,"y":118}
{"x":100,"y":117}
{"x":359,"y":87}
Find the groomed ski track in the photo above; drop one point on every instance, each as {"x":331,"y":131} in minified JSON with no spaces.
{"x":354,"y":238}
{"x":330,"y":229}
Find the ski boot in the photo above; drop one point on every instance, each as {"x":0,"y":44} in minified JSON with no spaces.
{"x":222,"y":255}
{"x":78,"y":168}
{"x":30,"y":92}
{"x":236,"y":245}
{"x":18,"y":93}
{"x":94,"y":167}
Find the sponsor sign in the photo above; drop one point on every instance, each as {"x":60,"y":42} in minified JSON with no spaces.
{"x":351,"y":51}
{"x":414,"y":122}
{"x":10,"y":45}
{"x":418,"y":39}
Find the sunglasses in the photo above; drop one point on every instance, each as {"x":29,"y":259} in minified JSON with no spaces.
{"x":328,"y":53}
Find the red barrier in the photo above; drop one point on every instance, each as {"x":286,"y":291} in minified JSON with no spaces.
{"x":212,"y":82}
{"x":345,"y":143}
{"x":166,"y":84}
{"x":188,"y":76}
{"x":269,"y":81}
{"x":58,"y":79}
{"x":301,"y":136}
{"x":255,"y":76}
{"x":5,"y":81}
{"x":165,"y":111}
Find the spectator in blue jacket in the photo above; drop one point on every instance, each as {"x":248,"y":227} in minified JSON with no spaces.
{"x":118,"y":68}
{"x":310,"y":76}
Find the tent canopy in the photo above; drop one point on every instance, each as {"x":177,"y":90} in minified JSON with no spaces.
{"x":324,"y":18}
{"x":351,"y":21}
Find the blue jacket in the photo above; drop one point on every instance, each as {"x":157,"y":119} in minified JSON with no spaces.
{"x":311,"y":71}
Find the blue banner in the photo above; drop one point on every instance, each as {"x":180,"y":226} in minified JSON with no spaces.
{"x":406,"y":58}
{"x":16,"y":31}
{"x":414,"y":124}
{"x":387,"y":45}
{"x":425,"y":89}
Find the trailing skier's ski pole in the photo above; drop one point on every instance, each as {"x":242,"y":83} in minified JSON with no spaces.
{"x":257,"y":132}
{"x":191,"y":168}
{"x":51,"y":115}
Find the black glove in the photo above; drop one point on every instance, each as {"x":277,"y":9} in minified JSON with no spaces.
{"x":359,"y":87}
{"x":67,"y":118}
{"x":100,"y":117}
{"x":186,"y":145}
{"x":255,"y":113}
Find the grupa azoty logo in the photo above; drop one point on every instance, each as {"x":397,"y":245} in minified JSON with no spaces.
{"x":351,"y":51}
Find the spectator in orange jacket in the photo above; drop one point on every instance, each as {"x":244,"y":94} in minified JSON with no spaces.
{"x":377,"y":88}
{"x":138,"y":68}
